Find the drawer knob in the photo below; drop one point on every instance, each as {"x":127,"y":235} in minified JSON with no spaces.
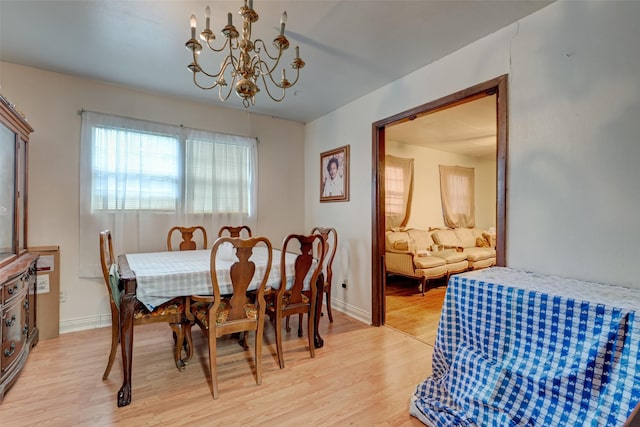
{"x":10,"y":322}
{"x":8,"y":352}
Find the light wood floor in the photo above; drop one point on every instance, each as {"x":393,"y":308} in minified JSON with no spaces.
{"x":410,"y":312}
{"x":363,"y":376}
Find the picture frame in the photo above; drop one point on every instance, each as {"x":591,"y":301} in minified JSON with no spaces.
{"x":334,"y":175}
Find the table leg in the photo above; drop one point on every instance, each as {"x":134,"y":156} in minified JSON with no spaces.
{"x":318,"y":342}
{"x":127,"y":305}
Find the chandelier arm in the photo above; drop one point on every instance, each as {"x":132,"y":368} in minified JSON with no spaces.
{"x":266,"y":88}
{"x":232,"y":59}
{"x":231,"y":86}
{"x":223,"y":47}
{"x":264,"y":47}
{"x":195,"y":81}
{"x":292,"y":84}
{"x":275,"y":83}
{"x":263,"y":67}
{"x":201,"y":70}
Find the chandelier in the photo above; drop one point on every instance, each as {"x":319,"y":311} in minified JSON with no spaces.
{"x":246,"y":61}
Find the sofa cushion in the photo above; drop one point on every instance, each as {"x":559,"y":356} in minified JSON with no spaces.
{"x":450,"y":256}
{"x":428,"y":261}
{"x":466,"y":237}
{"x":421,"y":239}
{"x":446,"y":238}
{"x":478,"y":254}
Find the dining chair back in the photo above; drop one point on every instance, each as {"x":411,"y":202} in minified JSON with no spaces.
{"x":294,"y":299}
{"x":329,"y":246}
{"x":221,"y":314}
{"x":171,"y":312}
{"x":234,"y":231}
{"x":187,"y":235}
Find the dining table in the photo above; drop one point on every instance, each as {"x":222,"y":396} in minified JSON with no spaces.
{"x":157,"y":277}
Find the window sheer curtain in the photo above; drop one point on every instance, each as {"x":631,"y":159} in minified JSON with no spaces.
{"x":139,"y":179}
{"x":458,"y":196}
{"x":398,"y":190}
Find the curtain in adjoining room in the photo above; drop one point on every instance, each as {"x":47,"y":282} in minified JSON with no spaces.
{"x":398,"y":189}
{"x":457,"y":195}
{"x":139,"y":179}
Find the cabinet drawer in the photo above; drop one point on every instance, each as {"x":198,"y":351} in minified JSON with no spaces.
{"x":13,"y":332}
{"x":12,"y":289}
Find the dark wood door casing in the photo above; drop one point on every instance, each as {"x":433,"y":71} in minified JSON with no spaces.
{"x":497,"y":86}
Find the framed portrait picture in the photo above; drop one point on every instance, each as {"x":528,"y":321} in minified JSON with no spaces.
{"x":334,"y":175}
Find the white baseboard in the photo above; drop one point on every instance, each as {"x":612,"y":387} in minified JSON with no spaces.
{"x":349,"y":310}
{"x":85,"y":323}
{"x":104,"y":320}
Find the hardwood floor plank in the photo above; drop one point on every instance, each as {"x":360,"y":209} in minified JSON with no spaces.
{"x":408,"y":311}
{"x":362,"y":376}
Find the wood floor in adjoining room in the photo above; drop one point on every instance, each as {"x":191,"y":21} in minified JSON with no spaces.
{"x":362,"y":376}
{"x":408,"y":311}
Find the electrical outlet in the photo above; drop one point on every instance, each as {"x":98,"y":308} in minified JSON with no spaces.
{"x":63,"y":296}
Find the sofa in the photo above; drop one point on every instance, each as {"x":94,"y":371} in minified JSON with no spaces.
{"x":436,"y":253}
{"x":476,"y":243}
{"x":409,"y":253}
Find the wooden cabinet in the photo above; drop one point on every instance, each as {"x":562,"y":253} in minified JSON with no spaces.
{"x":18,"y":328}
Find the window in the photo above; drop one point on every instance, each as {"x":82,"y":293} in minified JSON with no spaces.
{"x":139,"y":178}
{"x":132,"y":169}
{"x":457,"y":193}
{"x":394,"y":188}
{"x":398,"y":187}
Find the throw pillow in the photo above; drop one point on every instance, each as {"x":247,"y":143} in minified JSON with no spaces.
{"x":401,"y":245}
{"x":481,"y":242}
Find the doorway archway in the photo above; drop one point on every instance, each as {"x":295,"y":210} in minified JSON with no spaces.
{"x":497,"y":86}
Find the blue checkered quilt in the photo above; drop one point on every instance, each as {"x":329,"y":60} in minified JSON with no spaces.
{"x":520,"y":349}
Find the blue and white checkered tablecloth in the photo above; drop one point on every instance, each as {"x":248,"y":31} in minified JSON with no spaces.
{"x":162,"y":276}
{"x":515,"y":348}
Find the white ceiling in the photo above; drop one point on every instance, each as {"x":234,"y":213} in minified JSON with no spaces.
{"x":351,"y":47}
{"x":469,"y":129}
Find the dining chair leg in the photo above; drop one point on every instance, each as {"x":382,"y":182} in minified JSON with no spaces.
{"x":244,"y":342}
{"x":279,"y":340}
{"x":310,"y":333}
{"x":115,"y":338}
{"x":188,"y":341}
{"x":213,"y":367}
{"x":258,"y":352}
{"x":288,"y":328}
{"x":299,"y":324}
{"x":177,"y":346}
{"x":327,"y":293}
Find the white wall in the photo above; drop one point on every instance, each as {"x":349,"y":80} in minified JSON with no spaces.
{"x":426,"y":208}
{"x":574,"y":103}
{"x":52,"y":101}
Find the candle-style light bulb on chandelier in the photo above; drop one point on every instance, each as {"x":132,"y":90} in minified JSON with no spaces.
{"x":243,"y":63}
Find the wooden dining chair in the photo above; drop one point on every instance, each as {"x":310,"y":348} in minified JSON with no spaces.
{"x":172,"y":312}
{"x":234,"y":231}
{"x":283,"y":302}
{"x":187,"y":234}
{"x":222,"y":314}
{"x":329,"y":246}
